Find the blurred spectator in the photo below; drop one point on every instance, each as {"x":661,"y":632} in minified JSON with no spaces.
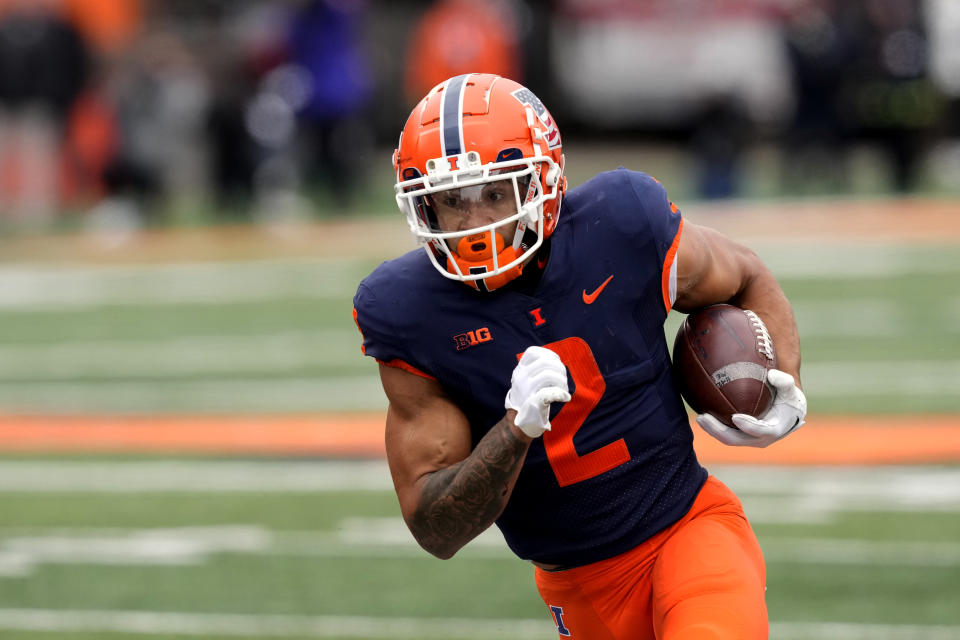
{"x":158,"y":95}
{"x":821,"y":42}
{"x":43,"y":69}
{"x":861,"y":73}
{"x":242,"y":143}
{"x":462,"y":36}
{"x":329,"y":85}
{"x":110,"y":26}
{"x":889,"y":93}
{"x":232,"y":151}
{"x":720,"y":138}
{"x":92,"y":136}
{"x":943,"y":34}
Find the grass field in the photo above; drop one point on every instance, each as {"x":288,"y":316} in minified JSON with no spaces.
{"x":879,"y":324}
{"x":126,"y":546}
{"x":120,"y":548}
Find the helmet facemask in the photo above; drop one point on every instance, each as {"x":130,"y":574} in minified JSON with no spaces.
{"x":510,"y":196}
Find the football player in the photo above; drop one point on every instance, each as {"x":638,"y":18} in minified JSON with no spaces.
{"x":523,"y":355}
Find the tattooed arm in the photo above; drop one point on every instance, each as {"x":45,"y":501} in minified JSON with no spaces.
{"x":448,"y":494}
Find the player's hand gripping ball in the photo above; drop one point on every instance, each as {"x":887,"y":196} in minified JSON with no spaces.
{"x":539,"y":380}
{"x":724,"y":363}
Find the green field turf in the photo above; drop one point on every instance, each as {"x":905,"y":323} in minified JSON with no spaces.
{"x":219,"y":548}
{"x":122,"y":548}
{"x":878,"y":323}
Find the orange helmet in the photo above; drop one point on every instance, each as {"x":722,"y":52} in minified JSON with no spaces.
{"x":470,"y":132}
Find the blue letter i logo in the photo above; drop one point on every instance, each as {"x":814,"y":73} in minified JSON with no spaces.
{"x":558,"y":618}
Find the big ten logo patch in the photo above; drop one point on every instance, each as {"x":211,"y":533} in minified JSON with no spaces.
{"x":472,"y":338}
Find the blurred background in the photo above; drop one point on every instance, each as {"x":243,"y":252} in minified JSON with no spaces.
{"x":191,"y":190}
{"x":119,"y":114}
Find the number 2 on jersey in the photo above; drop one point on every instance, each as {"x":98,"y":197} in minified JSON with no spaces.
{"x":568,"y":466}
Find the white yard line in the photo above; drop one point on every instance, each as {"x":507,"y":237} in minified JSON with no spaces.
{"x":846,"y":318}
{"x":807,"y":495}
{"x":394,"y":628}
{"x":48,"y":287}
{"x":175,"y":391}
{"x":183,"y":355}
{"x":255,"y":394}
{"x":895,"y":488}
{"x":391,"y":539}
{"x":830,"y":261}
{"x":71,"y":286}
{"x":260,"y":352}
{"x":880,"y":378}
{"x":829,"y":551}
{"x":24,"y":550}
{"x":241,"y":625}
{"x":171,"y":476}
{"x":861,"y":631}
{"x":887,"y":488}
{"x":22,"y":554}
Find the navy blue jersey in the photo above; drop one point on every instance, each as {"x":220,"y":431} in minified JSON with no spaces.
{"x":618,"y":464}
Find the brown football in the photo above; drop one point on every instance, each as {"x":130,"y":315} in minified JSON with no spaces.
{"x":721,"y":357}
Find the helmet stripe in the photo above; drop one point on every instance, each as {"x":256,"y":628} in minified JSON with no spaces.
{"x":451,"y":115}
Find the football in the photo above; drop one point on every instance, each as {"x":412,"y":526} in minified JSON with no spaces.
{"x":721,"y":357}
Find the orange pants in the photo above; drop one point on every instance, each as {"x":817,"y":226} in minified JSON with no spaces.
{"x":701,"y":578}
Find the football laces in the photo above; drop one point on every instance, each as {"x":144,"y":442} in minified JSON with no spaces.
{"x":764,"y":341}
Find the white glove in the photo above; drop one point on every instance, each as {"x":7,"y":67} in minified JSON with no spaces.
{"x":785,"y":416}
{"x":538,"y":380}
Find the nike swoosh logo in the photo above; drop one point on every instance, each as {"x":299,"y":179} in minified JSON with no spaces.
{"x":590,"y":297}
